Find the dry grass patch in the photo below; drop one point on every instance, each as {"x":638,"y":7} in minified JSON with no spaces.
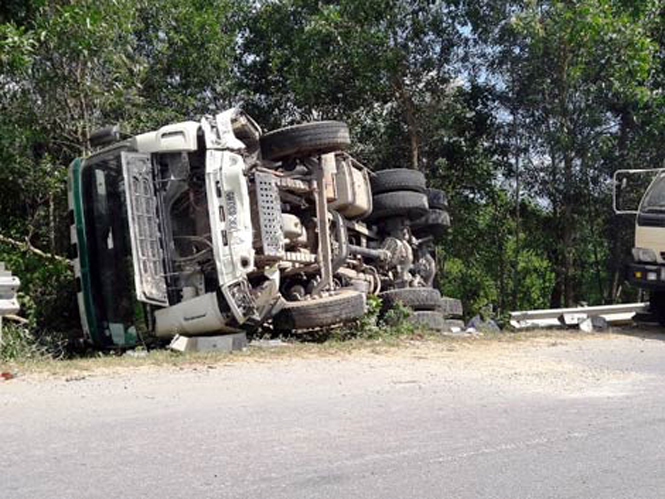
{"x":424,"y":344}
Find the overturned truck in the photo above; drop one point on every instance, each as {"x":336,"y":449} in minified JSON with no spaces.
{"x":212,"y":226}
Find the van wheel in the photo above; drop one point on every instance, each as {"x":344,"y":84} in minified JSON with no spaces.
{"x":343,"y":306}
{"x":306,"y":139}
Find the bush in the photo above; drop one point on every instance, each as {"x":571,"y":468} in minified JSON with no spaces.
{"x":18,"y":343}
{"x":379,"y":323}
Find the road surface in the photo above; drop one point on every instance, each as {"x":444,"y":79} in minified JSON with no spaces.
{"x":546,"y":418}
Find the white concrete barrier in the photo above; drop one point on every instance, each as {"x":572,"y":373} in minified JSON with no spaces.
{"x":8,"y":288}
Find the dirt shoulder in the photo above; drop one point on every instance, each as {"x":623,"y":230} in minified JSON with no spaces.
{"x":497,"y":351}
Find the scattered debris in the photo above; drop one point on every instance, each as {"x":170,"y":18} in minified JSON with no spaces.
{"x":222,"y":343}
{"x":453,"y":326}
{"x":137,"y":354}
{"x":572,"y":319}
{"x":595,"y":323}
{"x":457,"y":332}
{"x":269,"y":343}
{"x":478,"y":324}
{"x":557,"y":317}
{"x":6,"y":375}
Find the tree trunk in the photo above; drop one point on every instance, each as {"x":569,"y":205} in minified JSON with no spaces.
{"x":555,"y":252}
{"x":618,"y":229}
{"x":411,"y":122}
{"x":51,"y":222}
{"x":516,"y":274}
{"x":557,"y":290}
{"x":568,"y":230}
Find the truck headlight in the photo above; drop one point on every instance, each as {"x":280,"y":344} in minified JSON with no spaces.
{"x":644,"y":255}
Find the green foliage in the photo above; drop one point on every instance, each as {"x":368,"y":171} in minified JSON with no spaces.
{"x":368,"y":326}
{"x":187,"y":50}
{"x":378,"y":323}
{"x":18,"y":343}
{"x":395,"y":321}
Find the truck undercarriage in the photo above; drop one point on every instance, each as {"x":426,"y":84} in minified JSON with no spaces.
{"x":213,"y":226}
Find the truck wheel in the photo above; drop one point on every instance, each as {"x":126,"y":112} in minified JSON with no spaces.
{"x":415,"y":298}
{"x":450,"y":307}
{"x":657,"y":306}
{"x":400,"y":203}
{"x":434,"y":222}
{"x":397,"y":179}
{"x":437,"y":199}
{"x":341,"y":307}
{"x":306,"y":139}
{"x":428,"y":319}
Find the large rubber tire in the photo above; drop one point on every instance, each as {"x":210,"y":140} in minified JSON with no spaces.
{"x":451,"y":307}
{"x":437,"y":199}
{"x":397,"y":179}
{"x":427,"y":319}
{"x":415,"y":298}
{"x":657,"y":306}
{"x":434,"y":222}
{"x":341,"y":307}
{"x":408,"y":204}
{"x":306,"y":139}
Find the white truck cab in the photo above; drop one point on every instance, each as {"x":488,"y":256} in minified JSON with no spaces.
{"x":170,"y":211}
{"x":647,"y":267}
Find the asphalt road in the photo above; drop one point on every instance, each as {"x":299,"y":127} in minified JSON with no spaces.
{"x":545,"y":419}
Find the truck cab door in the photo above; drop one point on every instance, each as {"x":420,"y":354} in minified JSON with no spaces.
{"x":630,"y":188}
{"x":147,"y":252}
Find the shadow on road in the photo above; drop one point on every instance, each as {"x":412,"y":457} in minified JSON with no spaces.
{"x":644,"y":331}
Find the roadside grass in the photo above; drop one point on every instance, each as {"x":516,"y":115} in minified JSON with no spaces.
{"x":377,"y":333}
{"x":290,"y":348}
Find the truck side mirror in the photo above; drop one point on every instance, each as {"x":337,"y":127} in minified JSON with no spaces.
{"x":105,"y":136}
{"x":629,"y":187}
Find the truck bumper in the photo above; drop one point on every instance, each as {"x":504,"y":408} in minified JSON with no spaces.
{"x":647,"y":276}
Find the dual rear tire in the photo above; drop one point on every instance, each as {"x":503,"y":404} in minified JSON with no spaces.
{"x":401,"y":192}
{"x":430,"y":309}
{"x":397,"y":193}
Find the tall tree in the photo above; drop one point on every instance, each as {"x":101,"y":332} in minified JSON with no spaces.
{"x":360,"y":60}
{"x":564,"y":66}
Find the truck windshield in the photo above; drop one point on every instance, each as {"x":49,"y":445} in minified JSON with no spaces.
{"x":108,"y":246}
{"x":655,"y":198}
